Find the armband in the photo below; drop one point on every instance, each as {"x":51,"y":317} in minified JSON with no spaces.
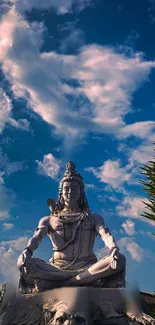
{"x":29,"y":250}
{"x":115,"y":247}
{"x":44,"y":230}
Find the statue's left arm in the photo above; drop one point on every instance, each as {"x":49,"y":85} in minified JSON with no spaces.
{"x":107,"y":238}
{"x":104,"y":232}
{"x":39,"y":234}
{"x":34,"y":241}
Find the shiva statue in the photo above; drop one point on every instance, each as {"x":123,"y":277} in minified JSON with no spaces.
{"x":72,"y":229}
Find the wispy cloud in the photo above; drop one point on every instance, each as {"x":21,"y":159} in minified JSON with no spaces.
{"x":89,"y":186}
{"x":129,"y":227}
{"x":50,"y":166}
{"x":7,"y":197}
{"x":137,"y":253}
{"x":133,"y":207}
{"x":132,"y":38}
{"x":141,"y":154}
{"x":137,"y":156}
{"x":126,"y":245}
{"x":9,"y":252}
{"x":7,"y":226}
{"x":151,"y":10}
{"x":147,"y":234}
{"x":111,"y":173}
{"x":1,"y":177}
{"x":106,"y":79}
{"x":142,"y":130}
{"x":100,"y":253}
{"x":10,"y":167}
{"x":5,"y":109}
{"x":62,"y":6}
{"x":115,"y":173}
{"x":6,"y":112}
{"x":74,"y":38}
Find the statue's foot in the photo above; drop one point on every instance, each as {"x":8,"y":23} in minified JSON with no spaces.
{"x":24,"y":287}
{"x":73,"y":282}
{"x":44,"y":285}
{"x":115,"y":281}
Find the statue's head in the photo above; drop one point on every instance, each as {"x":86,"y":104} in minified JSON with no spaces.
{"x":71,"y":189}
{"x":58,"y":313}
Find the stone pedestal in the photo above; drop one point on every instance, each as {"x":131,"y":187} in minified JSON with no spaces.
{"x":85,"y":306}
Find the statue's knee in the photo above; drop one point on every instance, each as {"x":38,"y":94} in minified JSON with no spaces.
{"x":20,"y":264}
{"x":122,"y":261}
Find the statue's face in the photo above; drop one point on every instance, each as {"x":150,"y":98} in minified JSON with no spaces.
{"x":71,"y":192}
{"x":66,"y":318}
{"x":59,"y":314}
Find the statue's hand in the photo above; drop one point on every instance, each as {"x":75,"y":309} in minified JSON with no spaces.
{"x":114,"y":256}
{"x":51,"y":203}
{"x":26,"y":255}
{"x":23,"y":259}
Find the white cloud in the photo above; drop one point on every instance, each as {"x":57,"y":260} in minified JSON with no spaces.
{"x":75,"y":38}
{"x":111,"y":173}
{"x":106,"y":80}
{"x":112,"y":198}
{"x":151,"y":11}
{"x":7,"y":226}
{"x":7,"y":25}
{"x":137,"y":253}
{"x":138,"y":155}
{"x":126,"y":245}
{"x":133,"y":207}
{"x":129,"y":227}
{"x":62,"y":6}
{"x":148,"y":234}
{"x":142,"y":154}
{"x":9,"y":252}
{"x":14,"y":166}
{"x":143,"y":130}
{"x":50,"y":166}
{"x":100,"y":253}
{"x":1,"y":177}
{"x":9,"y":167}
{"x":22,"y":124}
{"x":7,"y":198}
{"x":17,"y":244}
{"x":89,"y":186}
{"x":6,"y":114}
{"x":5,"y":110}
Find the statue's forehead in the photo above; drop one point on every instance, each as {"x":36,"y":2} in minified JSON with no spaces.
{"x":62,"y":311}
{"x":65,"y":311}
{"x":70,"y":184}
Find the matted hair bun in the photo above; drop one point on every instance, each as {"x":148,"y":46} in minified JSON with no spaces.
{"x":69,"y":176}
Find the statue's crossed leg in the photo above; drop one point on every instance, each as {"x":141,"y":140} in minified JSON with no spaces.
{"x":101,"y":269}
{"x":48,"y":275}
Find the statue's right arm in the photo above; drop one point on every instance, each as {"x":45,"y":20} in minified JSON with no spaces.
{"x":39,"y":234}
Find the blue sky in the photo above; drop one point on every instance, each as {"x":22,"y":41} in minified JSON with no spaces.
{"x":77,"y":83}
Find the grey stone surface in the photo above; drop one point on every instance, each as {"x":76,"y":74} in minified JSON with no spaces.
{"x":72,"y":306}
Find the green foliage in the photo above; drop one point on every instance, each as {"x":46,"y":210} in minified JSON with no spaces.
{"x":2,"y":291}
{"x":148,"y":171}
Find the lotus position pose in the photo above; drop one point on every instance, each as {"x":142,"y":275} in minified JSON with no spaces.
{"x":72,"y":229}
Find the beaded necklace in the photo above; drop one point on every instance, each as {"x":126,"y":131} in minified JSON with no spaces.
{"x":66,"y":220}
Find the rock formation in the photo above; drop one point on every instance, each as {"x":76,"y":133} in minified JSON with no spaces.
{"x":73,"y":306}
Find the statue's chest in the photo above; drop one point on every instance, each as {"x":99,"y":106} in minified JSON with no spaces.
{"x":65,"y":226}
